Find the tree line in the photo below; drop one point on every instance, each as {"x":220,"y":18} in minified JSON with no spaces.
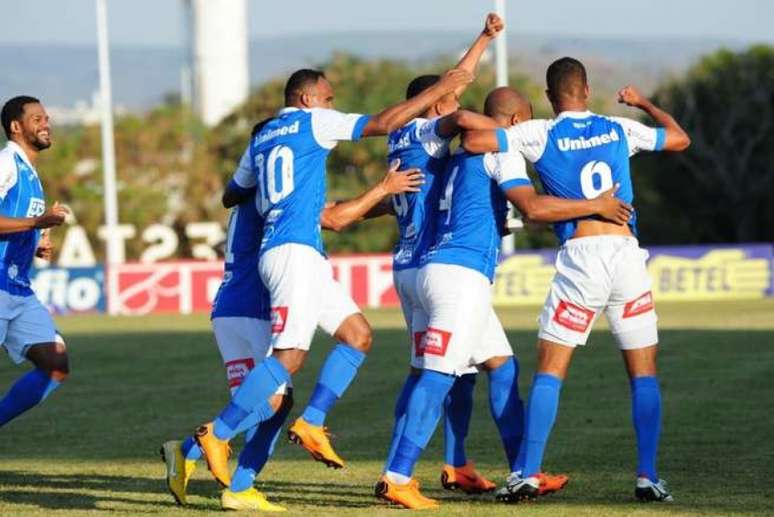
{"x":172,"y":169}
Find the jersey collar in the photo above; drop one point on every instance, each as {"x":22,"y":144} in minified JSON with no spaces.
{"x":18,"y":150}
{"x":573,"y":114}
{"x":286,"y":109}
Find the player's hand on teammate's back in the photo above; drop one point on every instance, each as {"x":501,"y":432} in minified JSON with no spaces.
{"x":398,"y":182}
{"x":455,"y":78}
{"x":630,"y":96}
{"x":493,"y":25}
{"x":612,"y":208}
{"x":54,"y":216}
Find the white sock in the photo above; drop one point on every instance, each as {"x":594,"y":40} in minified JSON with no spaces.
{"x":397,"y":479}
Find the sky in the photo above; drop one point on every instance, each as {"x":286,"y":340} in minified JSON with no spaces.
{"x":159,"y":22}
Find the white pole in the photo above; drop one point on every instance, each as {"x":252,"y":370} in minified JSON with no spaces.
{"x":108,"y":151}
{"x":507,"y":245}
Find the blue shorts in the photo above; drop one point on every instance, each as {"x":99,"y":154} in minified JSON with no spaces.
{"x":24,"y":322}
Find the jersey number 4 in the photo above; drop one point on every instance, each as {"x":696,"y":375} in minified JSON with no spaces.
{"x":275,"y":176}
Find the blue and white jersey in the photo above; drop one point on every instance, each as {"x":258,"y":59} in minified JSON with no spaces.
{"x":579,"y":155}
{"x":242,"y":293}
{"x":473,"y":209}
{"x":417,"y":145}
{"x":288,"y":156}
{"x":21,"y":195}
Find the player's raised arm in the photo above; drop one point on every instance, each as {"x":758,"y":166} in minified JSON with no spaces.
{"x":549,"y":209}
{"x":398,"y":115}
{"x":675,"y":137}
{"x":339,"y":215}
{"x":480,"y":141}
{"x":463,"y":120}
{"x":493,"y":26}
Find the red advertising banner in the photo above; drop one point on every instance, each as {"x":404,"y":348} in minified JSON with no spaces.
{"x":186,"y":287}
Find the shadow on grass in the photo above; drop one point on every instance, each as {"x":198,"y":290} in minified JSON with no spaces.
{"x":89,"y":491}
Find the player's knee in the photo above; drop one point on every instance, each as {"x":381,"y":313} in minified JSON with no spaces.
{"x":52,"y":358}
{"x":362,"y":340}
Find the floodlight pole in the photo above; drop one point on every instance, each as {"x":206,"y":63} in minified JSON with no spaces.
{"x":507,"y":245}
{"x":108,"y":150}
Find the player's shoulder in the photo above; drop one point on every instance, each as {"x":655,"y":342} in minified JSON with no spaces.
{"x":8,"y":160}
{"x":494,"y":162}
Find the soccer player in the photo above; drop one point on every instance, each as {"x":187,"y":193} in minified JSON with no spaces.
{"x":26,"y":328}
{"x":600,"y":266}
{"x":288,"y":157}
{"x":454,"y":289}
{"x":424,"y":143}
{"x":242,"y":328}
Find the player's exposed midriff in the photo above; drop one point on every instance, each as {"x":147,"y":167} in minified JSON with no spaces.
{"x":591,"y":227}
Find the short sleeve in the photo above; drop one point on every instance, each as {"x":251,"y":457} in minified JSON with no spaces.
{"x":433,"y":144}
{"x":640,"y":137}
{"x":331,"y":126}
{"x":7,"y":173}
{"x":508,"y":170}
{"x":244,"y":177}
{"x":528,"y":138}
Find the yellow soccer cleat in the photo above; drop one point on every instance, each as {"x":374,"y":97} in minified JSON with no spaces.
{"x":315,"y":440}
{"x":179,"y":470}
{"x":407,"y":495}
{"x":216,"y":452}
{"x":465,"y":478}
{"x":250,"y":499}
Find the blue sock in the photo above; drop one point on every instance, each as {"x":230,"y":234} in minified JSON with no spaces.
{"x":259,"y":448}
{"x":507,"y":409}
{"x":541,"y":413}
{"x":646,"y":415}
{"x":260,"y":384}
{"x":400,"y":415}
{"x":336,"y":375}
{"x":422,"y":414}
{"x":191,"y":449}
{"x":30,"y":389}
{"x":458,"y":407}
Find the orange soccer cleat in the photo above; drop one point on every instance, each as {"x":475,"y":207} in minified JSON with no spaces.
{"x":315,"y":439}
{"x":407,"y":495}
{"x":216,"y":452}
{"x":550,"y":483}
{"x":465,"y":478}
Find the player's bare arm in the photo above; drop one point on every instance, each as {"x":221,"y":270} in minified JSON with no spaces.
{"x":493,"y":25}
{"x":338,"y":216}
{"x":464,"y":120}
{"x":54,"y":216}
{"x":398,"y":115}
{"x":676,"y":137}
{"x":480,"y":141}
{"x":549,"y":209}
{"x":232,"y":196}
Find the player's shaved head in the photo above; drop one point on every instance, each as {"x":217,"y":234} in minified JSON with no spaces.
{"x":420,"y":84}
{"x":507,"y":106}
{"x":566,"y":80}
{"x":300,"y":82}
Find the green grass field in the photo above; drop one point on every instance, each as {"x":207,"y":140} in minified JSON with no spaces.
{"x":135,"y":383}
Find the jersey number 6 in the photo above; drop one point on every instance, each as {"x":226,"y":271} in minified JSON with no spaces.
{"x":595,"y":178}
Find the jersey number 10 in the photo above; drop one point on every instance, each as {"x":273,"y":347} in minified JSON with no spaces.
{"x":274,"y":185}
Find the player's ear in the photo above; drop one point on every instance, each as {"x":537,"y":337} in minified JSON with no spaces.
{"x":305,"y":99}
{"x":587,"y":91}
{"x":16,"y":127}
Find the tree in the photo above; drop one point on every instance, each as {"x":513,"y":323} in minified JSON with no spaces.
{"x":720,"y":189}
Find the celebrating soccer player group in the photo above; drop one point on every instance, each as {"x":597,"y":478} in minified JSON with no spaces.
{"x":451,"y":208}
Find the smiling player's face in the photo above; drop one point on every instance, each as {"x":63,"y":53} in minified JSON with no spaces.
{"x":34,"y":126}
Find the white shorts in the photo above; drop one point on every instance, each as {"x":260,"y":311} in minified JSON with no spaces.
{"x":303,"y":295}
{"x":605,"y":272}
{"x":242,"y":343}
{"x":463,"y":330}
{"x":24,"y":322}
{"x":414,"y":314}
